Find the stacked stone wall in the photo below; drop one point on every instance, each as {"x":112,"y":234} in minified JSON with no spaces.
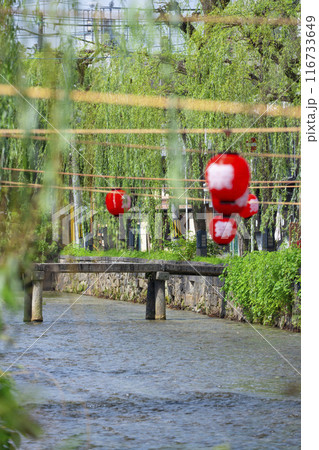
{"x":196,"y":293}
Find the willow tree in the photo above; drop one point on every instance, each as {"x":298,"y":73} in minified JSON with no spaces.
{"x":242,"y":63}
{"x":251,"y":63}
{"x":227,"y":62}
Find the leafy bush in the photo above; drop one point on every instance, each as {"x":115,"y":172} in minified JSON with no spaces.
{"x":262,"y":283}
{"x":186,"y":248}
{"x":44,"y":247}
{"x":178,"y":250}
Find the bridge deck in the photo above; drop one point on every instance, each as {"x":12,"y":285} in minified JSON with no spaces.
{"x":173,"y":268}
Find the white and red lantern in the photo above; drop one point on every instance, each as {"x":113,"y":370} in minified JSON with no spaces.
{"x":223,"y":229}
{"x":227,"y":176}
{"x":118,"y":202}
{"x":251,"y":208}
{"x":229,"y":208}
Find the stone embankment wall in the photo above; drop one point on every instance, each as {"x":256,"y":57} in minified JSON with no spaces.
{"x":196,"y":293}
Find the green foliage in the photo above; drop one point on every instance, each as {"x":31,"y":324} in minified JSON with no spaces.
{"x":15,"y":421}
{"x":262,"y":283}
{"x":44,"y":249}
{"x":186,"y":248}
{"x":172,"y":252}
{"x":9,"y":284}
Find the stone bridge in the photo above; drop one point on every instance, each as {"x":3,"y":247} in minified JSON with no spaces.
{"x":156,"y":273}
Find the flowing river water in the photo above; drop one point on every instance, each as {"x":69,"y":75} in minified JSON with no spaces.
{"x":105,"y":378}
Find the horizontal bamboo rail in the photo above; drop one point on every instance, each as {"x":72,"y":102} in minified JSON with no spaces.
{"x":90,"y":175}
{"x":138,"y":13}
{"x":153,"y":101}
{"x":103,"y":191}
{"x":161,"y":148}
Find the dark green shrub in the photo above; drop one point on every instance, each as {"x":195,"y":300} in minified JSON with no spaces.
{"x":262,"y":283}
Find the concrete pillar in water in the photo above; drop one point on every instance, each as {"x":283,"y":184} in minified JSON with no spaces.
{"x":27,"y":298}
{"x":150,"y":299}
{"x":160,"y":302}
{"x":37,"y":291}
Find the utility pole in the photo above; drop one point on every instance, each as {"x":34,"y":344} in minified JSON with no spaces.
{"x":40,"y":33}
{"x":77,"y":200}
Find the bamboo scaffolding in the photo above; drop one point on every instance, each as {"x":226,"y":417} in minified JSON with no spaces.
{"x":15,"y":169}
{"x":12,"y":184}
{"x":163,"y":17}
{"x":153,"y":101}
{"x":158,"y":147}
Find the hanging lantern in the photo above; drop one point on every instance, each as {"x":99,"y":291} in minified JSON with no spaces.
{"x":223,"y":229}
{"x":251,"y":208}
{"x":229,"y":208}
{"x":227,"y":176}
{"x":117,"y":202}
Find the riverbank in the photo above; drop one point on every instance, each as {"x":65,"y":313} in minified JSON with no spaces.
{"x":203,"y":295}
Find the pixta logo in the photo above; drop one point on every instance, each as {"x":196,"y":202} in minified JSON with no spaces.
{"x":68,"y":221}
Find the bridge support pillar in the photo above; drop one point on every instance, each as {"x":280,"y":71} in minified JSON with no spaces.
{"x":155,"y":301}
{"x":37,"y":295}
{"x":160,"y":301}
{"x":27,"y":297}
{"x":150,"y":299}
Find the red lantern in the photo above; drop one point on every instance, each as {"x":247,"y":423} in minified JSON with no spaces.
{"x":251,"y":208}
{"x":229,"y":208}
{"x":223,"y":229}
{"x":117,"y":202}
{"x":227,"y":176}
